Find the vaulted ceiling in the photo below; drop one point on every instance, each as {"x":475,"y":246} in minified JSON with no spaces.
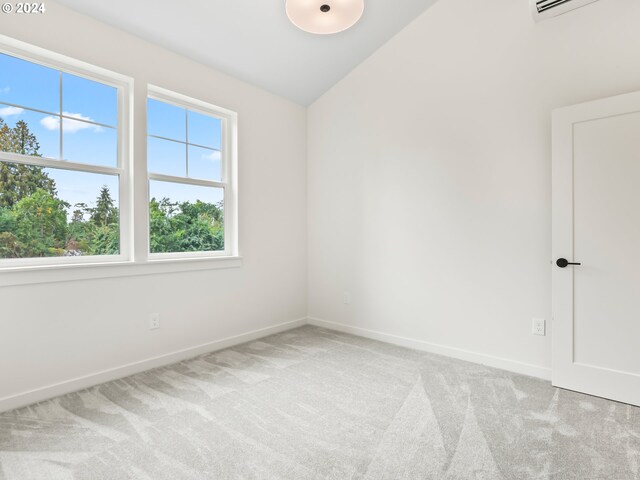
{"x":253,"y":39}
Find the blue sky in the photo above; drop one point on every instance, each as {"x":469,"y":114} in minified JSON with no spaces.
{"x":25,"y":86}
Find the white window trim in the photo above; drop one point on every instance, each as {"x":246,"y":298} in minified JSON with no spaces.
{"x":228,"y":150}
{"x":134,"y":259}
{"x":88,"y":271}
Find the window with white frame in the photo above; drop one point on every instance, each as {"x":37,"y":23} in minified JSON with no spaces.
{"x":63,"y":165}
{"x":190,"y":189}
{"x":66,"y":183}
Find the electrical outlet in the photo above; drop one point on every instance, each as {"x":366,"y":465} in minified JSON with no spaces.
{"x":154,"y":321}
{"x":539,"y":326}
{"x":346,"y":298}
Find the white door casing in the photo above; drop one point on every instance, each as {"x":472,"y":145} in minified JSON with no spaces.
{"x":596,"y":221}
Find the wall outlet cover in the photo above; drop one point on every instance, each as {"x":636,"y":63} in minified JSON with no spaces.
{"x":539,"y":326}
{"x":154,"y":321}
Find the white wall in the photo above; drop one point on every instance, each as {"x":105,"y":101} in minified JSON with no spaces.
{"x":429,"y":172}
{"x":428,"y":184}
{"x":51,"y":333}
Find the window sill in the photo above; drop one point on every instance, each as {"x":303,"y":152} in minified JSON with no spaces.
{"x":67,"y":273}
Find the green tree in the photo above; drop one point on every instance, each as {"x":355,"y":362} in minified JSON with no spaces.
{"x":23,"y":141}
{"x":7,"y":220}
{"x":10,"y":246}
{"x":186,"y":226}
{"x":105,"y":212}
{"x":18,"y":181}
{"x":79,"y":213}
{"x":106,"y":240}
{"x":41,"y":224}
{"x":102,"y":232}
{"x":161,"y":233}
{"x":80,"y":231}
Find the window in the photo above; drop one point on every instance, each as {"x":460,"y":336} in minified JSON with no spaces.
{"x":190,"y":192}
{"x":63,"y":168}
{"x":67,"y":183}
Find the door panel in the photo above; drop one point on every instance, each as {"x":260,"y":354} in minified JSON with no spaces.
{"x":596,"y":221}
{"x":606,"y":206}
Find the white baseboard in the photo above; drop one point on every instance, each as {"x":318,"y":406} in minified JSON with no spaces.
{"x":75,"y":384}
{"x":79,"y":383}
{"x":489,"y":360}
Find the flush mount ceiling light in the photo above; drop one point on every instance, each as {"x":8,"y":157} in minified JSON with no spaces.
{"x":324,"y":16}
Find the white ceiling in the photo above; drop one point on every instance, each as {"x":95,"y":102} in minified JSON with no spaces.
{"x":253,"y":39}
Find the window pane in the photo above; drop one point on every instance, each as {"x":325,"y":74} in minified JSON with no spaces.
{"x":204,"y":163}
{"x":29,"y":85}
{"x":89,"y":143}
{"x":166,"y":120}
{"x":204,"y":130}
{"x":90,"y":100}
{"x":46,"y":212}
{"x":185,"y":218}
{"x":29,"y":133}
{"x":166,"y":157}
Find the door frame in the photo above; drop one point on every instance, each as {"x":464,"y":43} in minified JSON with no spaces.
{"x":566,"y":373}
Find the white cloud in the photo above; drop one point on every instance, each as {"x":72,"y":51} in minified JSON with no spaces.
{"x":7,"y":111}
{"x":50,"y":123}
{"x":213,"y":156}
{"x":70,"y":126}
{"x":5,"y":90}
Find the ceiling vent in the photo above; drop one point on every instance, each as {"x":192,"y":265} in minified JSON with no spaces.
{"x":542,"y":9}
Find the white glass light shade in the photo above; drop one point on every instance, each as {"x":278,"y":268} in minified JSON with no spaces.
{"x":324,"y":16}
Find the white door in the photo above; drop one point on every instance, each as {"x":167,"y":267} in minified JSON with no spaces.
{"x":596,"y":222}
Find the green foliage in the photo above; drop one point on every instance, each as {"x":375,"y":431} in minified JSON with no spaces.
{"x":10,"y":247}
{"x":7,"y":220}
{"x":23,"y":141}
{"x":100,"y":234}
{"x":41,"y":224}
{"x":18,"y":181}
{"x":186,"y":227}
{"x":106,"y":240}
{"x":104,"y":213}
{"x":80,"y":233}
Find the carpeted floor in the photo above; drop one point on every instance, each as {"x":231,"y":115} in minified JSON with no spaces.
{"x":316,"y":404}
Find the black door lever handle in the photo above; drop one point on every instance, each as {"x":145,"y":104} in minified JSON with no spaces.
{"x":563,"y":263}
